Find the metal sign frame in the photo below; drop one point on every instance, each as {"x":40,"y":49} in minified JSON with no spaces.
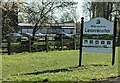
{"x":104,"y":27}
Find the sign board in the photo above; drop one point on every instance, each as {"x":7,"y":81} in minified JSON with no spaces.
{"x":98,"y":35}
{"x":98,"y":26}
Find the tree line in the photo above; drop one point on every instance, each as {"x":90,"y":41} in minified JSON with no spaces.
{"x":102,"y":9}
{"x":107,"y":10}
{"x":38,"y":13}
{"x":42,"y":13}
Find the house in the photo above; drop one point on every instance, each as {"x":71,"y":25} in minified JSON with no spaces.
{"x":25,"y":27}
{"x":54,"y":28}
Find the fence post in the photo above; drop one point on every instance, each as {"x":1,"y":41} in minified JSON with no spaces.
{"x":74,"y":43}
{"x":61,"y":38}
{"x":29,"y":43}
{"x":9,"y":45}
{"x":46,"y":40}
{"x":53,"y":39}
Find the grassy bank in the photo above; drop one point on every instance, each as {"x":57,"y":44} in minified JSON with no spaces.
{"x":58,"y":66}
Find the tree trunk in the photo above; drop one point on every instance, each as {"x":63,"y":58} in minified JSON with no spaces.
{"x":93,"y":9}
{"x":34,"y":29}
{"x":109,"y":10}
{"x":104,"y":10}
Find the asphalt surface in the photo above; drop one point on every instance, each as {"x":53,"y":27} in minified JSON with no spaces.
{"x":110,"y":80}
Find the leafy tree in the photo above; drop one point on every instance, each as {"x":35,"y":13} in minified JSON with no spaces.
{"x":9,"y":17}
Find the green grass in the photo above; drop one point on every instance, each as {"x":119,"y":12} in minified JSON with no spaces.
{"x":58,"y":66}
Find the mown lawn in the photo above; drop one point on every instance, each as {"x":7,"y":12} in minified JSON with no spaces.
{"x":58,"y":66}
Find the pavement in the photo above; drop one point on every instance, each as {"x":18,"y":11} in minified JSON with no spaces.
{"x":110,"y":80}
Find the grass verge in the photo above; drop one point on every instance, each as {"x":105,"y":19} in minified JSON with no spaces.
{"x":58,"y":66}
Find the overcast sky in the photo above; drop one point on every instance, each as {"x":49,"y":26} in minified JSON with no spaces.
{"x":79,"y":6}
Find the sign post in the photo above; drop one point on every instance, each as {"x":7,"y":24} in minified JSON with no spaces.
{"x":81,"y":38}
{"x":98,"y":35}
{"x":114,"y":41}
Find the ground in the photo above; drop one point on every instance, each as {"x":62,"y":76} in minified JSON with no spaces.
{"x":59,"y":66}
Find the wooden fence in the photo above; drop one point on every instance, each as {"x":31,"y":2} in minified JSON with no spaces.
{"x":44,"y":43}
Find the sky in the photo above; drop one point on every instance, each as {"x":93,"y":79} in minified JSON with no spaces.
{"x":79,"y":6}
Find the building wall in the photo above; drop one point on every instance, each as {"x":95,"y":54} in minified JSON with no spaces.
{"x":57,"y":30}
{"x":49,"y":30}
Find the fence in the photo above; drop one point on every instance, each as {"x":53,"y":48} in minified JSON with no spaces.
{"x":40,"y":43}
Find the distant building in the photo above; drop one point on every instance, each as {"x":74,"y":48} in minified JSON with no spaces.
{"x":54,"y":28}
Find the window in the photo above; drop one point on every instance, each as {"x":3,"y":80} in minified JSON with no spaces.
{"x":96,"y":42}
{"x":102,"y":42}
{"x":108,"y":42}
{"x":91,"y":41}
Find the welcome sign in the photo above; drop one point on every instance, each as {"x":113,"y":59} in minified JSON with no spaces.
{"x":98,"y":26}
{"x":98,"y":35}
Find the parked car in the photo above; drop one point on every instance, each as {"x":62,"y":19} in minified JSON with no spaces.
{"x":64,"y":36}
{"x":39,"y":34}
{"x":23,"y":38}
{"x":16,"y":37}
{"x":13,"y":36}
{"x":27,"y":34}
{"x":30,"y":35}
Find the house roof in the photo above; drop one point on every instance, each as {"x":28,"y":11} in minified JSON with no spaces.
{"x":25,"y":24}
{"x":65,"y":24}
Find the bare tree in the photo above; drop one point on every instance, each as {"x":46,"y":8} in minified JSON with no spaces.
{"x":70,"y":13}
{"x":41,"y":13}
{"x":99,"y":9}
